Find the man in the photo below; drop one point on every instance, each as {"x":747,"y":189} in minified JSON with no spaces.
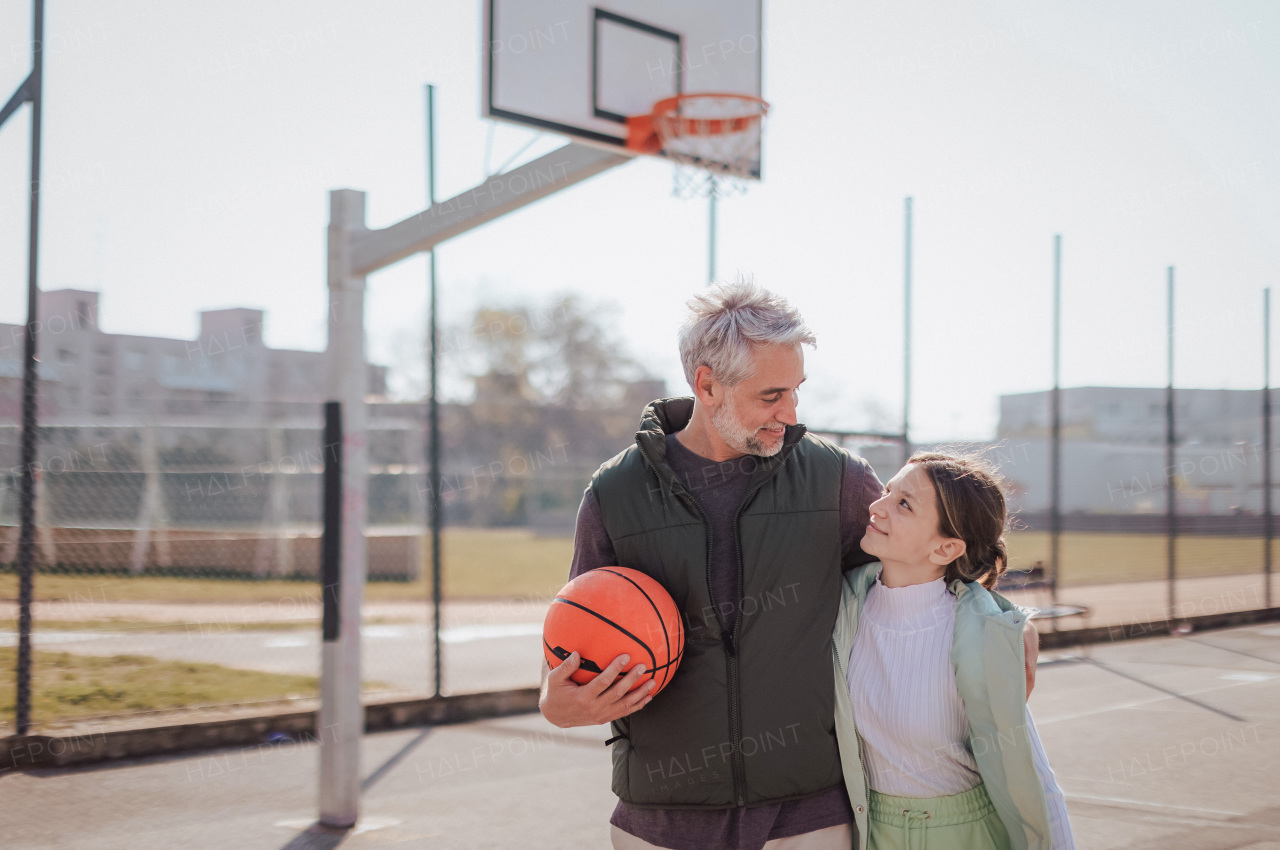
{"x":748,"y":522}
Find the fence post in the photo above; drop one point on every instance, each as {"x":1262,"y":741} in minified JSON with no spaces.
{"x":1170,"y":458}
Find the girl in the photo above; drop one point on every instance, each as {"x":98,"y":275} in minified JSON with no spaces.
{"x":935,"y":735}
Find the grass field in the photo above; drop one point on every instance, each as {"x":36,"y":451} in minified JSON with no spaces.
{"x":514,"y":563}
{"x":68,"y":687}
{"x":1095,"y":558}
{"x":477,"y":564}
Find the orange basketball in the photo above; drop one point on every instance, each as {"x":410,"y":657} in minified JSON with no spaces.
{"x":612,"y":611}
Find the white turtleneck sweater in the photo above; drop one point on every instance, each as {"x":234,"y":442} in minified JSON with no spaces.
{"x":907,"y":708}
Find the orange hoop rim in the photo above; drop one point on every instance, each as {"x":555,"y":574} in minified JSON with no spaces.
{"x":669,"y":122}
{"x":650,"y":133}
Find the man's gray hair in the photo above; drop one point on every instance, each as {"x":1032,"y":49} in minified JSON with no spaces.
{"x":728,"y":320}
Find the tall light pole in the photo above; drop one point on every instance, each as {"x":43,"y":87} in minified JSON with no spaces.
{"x":1170,"y":457}
{"x":906,"y":335}
{"x":1055,"y":448}
{"x":29,"y":92}
{"x":433,"y":403}
{"x":1266,"y":442}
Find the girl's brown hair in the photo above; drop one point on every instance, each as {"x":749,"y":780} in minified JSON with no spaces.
{"x":971,"y":507}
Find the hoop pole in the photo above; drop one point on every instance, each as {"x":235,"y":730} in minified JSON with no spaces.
{"x":341,"y":717}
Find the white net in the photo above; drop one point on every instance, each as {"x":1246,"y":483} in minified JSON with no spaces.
{"x":713,"y":139}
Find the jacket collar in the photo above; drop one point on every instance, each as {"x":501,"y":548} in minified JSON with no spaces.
{"x":971,"y":598}
{"x":982,"y":600}
{"x":861,"y":579}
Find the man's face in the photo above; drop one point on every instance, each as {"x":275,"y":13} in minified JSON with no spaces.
{"x":754,"y":413}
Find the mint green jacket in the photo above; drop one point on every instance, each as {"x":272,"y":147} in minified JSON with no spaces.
{"x":988,"y":656}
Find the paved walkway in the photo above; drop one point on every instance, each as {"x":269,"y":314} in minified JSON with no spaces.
{"x":1111,"y":604}
{"x":1162,"y":744}
{"x":1144,"y":602}
{"x":303,"y":607}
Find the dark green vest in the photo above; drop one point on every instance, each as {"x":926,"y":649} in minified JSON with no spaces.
{"x":751,"y":718}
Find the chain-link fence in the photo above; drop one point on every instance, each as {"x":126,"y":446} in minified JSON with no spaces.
{"x":1148,"y":533}
{"x":178,"y":559}
{"x":187,"y":553}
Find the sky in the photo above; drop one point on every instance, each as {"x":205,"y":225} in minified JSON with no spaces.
{"x":189,"y":149}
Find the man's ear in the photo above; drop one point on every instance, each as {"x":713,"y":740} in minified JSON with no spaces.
{"x":947,"y":551}
{"x":708,"y":390}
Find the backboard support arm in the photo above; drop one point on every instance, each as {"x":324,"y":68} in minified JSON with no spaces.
{"x":354,"y":252}
{"x":495,"y":197}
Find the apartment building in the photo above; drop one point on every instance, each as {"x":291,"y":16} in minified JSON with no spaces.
{"x":87,"y":374}
{"x":1113,"y":451}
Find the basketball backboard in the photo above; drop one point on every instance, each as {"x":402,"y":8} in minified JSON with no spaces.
{"x":582,"y":68}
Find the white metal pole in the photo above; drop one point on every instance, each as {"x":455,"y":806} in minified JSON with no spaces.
{"x":1055,"y":440}
{"x":341,"y":718}
{"x":906,"y":332}
{"x":711,"y":234}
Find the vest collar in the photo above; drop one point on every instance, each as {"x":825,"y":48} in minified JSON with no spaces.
{"x":667,"y":416}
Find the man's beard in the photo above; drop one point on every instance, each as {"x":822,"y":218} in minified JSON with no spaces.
{"x":736,"y":437}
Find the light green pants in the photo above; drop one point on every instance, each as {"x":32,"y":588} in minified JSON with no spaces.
{"x":965,"y":821}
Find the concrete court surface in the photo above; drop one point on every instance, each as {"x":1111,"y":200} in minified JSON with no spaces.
{"x":1162,"y":743}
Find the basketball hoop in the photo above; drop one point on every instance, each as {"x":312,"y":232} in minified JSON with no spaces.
{"x":714,"y":140}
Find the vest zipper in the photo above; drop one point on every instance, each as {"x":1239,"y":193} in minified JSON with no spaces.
{"x":731,"y":655}
{"x":727,"y":636}
{"x":735,"y":687}
{"x":678,"y":490}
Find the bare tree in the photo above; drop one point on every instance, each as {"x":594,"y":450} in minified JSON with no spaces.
{"x":565,"y":353}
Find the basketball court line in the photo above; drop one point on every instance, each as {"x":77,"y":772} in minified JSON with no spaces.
{"x":1183,"y":697}
{"x":1156,"y":813}
{"x":1161,"y":806}
{"x":1136,"y":704}
{"x":397,"y":757}
{"x":1236,"y":651}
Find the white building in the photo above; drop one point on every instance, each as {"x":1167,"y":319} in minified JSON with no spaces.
{"x":87,"y":374}
{"x":1113,"y":455}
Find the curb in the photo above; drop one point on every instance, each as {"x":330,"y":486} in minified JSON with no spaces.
{"x":23,"y":752}
{"x":1156,"y":628}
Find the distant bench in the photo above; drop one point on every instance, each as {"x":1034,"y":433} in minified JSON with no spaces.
{"x":1036,"y":579}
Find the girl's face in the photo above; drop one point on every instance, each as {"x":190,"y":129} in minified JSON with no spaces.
{"x":904,"y":524}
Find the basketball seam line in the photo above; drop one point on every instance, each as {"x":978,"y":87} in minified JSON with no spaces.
{"x":652,"y":660}
{"x":657,"y":666}
{"x":666,"y":638}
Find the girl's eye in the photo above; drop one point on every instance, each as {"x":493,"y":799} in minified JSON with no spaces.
{"x":903,"y":502}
